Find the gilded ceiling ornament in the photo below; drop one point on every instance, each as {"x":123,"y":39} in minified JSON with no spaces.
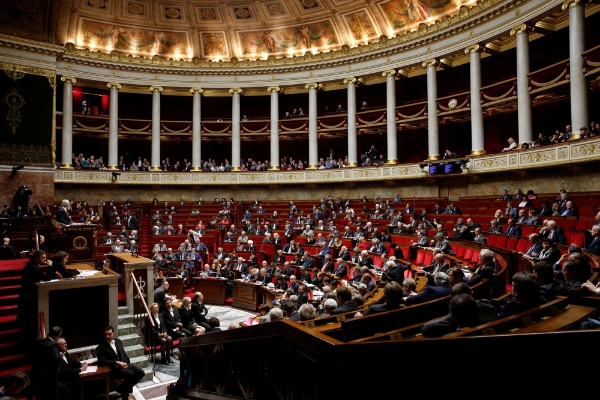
{"x":14,"y":74}
{"x":309,"y":3}
{"x":275,"y":8}
{"x":15,"y":102}
{"x":173,"y":13}
{"x":97,"y":3}
{"x":242,"y":13}
{"x":208,"y":13}
{"x":136,"y":8}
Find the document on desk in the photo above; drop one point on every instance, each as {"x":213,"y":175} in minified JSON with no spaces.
{"x":90,"y":368}
{"x":87,"y":272}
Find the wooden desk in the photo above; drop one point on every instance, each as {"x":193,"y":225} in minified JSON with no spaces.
{"x":101,"y":373}
{"x":176,"y":287}
{"x":246,"y":295}
{"x":213,"y":290}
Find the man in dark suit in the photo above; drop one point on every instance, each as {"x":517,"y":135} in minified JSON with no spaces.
{"x":110,"y":353}
{"x":45,"y":367}
{"x":551,"y":231}
{"x":535,"y":246}
{"x":200,"y":311}
{"x":344,"y":299}
{"x":344,"y":254}
{"x":594,"y":246}
{"x":393,"y":297}
{"x":62,"y":216}
{"x":7,"y":252}
{"x":215,"y":325}
{"x":486,"y":269}
{"x":442,"y":288}
{"x":264,"y":277}
{"x":449,"y":154}
{"x":68,"y":373}
{"x":241,"y":266}
{"x":132,"y":222}
{"x":394,"y":271}
{"x":365,"y":260}
{"x":341,"y":271}
{"x":328,"y":265}
{"x":513,"y":229}
{"x":439,"y":265}
{"x":160,"y":293}
{"x":27,"y":316}
{"x":172,"y":318}
{"x":533,"y":218}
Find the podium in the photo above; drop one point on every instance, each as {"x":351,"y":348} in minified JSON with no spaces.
{"x":79,"y":241}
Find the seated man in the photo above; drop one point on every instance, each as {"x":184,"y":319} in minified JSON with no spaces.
{"x":111,"y":353}
{"x":175,"y":327}
{"x":439,"y":265}
{"x":393,"y":297}
{"x":69,"y":371}
{"x":307,"y":312}
{"x":526,"y":293}
{"x":445,"y":325}
{"x":344,"y":299}
{"x":441,"y":289}
{"x":486,"y":269}
{"x":550,"y":287}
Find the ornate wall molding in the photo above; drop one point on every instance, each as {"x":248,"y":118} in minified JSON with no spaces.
{"x":570,"y":153}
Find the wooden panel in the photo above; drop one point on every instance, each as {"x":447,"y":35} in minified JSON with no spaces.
{"x":246,"y":295}
{"x":213,"y":289}
{"x":176,"y":287}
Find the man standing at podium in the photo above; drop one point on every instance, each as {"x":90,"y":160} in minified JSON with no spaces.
{"x":62,"y":216}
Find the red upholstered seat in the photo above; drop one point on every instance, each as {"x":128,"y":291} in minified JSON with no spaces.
{"x":501,"y":242}
{"x":459,"y":252}
{"x":492,"y":240}
{"x":511,"y":243}
{"x":578,"y":238}
{"x":420,"y":257}
{"x":570,"y":222}
{"x":522,"y":245}
{"x":428,"y":259}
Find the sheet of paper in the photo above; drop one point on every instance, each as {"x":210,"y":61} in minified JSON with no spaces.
{"x":90,"y":368}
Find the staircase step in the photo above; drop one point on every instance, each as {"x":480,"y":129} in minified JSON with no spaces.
{"x":9,"y":289}
{"x":123,"y":310}
{"x":11,"y":299}
{"x":149,"y":375}
{"x":125,"y":319}
{"x":8,"y":310}
{"x":127,"y":329}
{"x":130,"y":340}
{"x":135,"y":350}
{"x":139,"y":361}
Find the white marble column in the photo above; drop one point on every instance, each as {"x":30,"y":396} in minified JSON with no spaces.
{"x":67,"y":124}
{"x":235,"y":129}
{"x":274,"y":157}
{"x":477,"y":134}
{"x":433,"y":139}
{"x":392,"y":129}
{"x":313,"y":144}
{"x":352,"y":146}
{"x":579,"y":86}
{"x":113,"y":127}
{"x":155,"y":160}
{"x":197,"y":97}
{"x":523,"y":98}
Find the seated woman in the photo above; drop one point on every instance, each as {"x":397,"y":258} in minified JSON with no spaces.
{"x":499,"y":217}
{"x":310,"y":240}
{"x":59,"y":261}
{"x":253,"y":259}
{"x":157,"y":335}
{"x":187,"y":318}
{"x":280,"y":283}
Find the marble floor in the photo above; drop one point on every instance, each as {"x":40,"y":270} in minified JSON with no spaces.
{"x":167,"y":374}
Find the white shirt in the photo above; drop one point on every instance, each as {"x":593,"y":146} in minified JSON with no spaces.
{"x":156,"y":319}
{"x":114,"y":347}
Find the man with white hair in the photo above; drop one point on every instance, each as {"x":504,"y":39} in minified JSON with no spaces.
{"x":551,"y":231}
{"x":117,"y":247}
{"x":307,"y":231}
{"x":365,"y":260}
{"x":329,"y":305}
{"x":307,"y":312}
{"x":276,"y":314}
{"x":62,"y":216}
{"x":594,"y":246}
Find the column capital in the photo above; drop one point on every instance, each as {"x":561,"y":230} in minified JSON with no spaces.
{"x":277,"y":89}
{"x":239,"y":91}
{"x":158,"y":88}
{"x":522,"y":28}
{"x":196,"y":90}
{"x":431,"y":63}
{"x":113,"y":85}
{"x":389,"y":72}
{"x":316,"y":86}
{"x":570,"y":4}
{"x":476,"y":48}
{"x":68,"y":79}
{"x":356,"y":81}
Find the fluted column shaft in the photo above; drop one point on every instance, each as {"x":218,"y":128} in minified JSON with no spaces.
{"x":196,"y":114}
{"x":155,"y":159}
{"x":352,"y":145}
{"x":523,"y":98}
{"x":579,"y":86}
{"x":313,"y":145}
{"x":392,"y":131}
{"x":235,"y":129}
{"x":113,"y":127}
{"x":477,"y":134}
{"x":274,"y":157}
{"x":433,"y":144}
{"x":67,"y":124}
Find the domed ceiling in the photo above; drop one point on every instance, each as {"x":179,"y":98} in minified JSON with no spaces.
{"x":218,"y":29}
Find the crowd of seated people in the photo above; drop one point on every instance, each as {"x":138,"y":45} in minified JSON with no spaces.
{"x":559,"y":136}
